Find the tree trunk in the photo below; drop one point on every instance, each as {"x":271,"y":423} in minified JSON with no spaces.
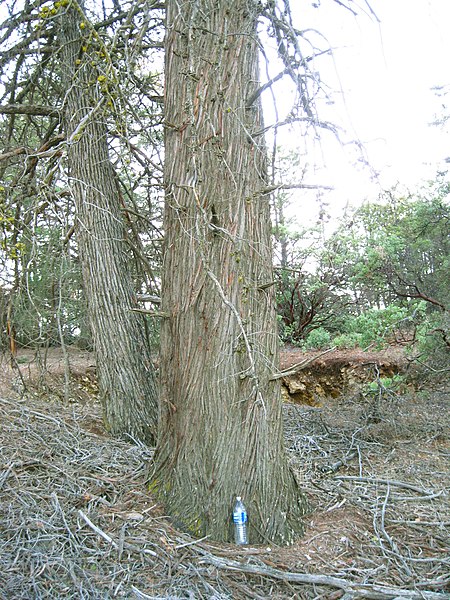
{"x":125,"y":371}
{"x":221,"y":428}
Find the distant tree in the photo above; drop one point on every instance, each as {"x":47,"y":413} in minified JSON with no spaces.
{"x":393,"y":258}
{"x":400,"y":248}
{"x":387,"y":257}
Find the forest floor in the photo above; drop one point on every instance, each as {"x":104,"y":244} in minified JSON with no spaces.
{"x":76,"y":520}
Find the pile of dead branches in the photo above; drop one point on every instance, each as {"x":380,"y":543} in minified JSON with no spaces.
{"x":76,"y":520}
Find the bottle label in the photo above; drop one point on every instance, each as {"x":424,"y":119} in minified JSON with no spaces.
{"x":240,"y":517}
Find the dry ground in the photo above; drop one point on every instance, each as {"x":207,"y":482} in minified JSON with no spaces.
{"x":76,"y":520}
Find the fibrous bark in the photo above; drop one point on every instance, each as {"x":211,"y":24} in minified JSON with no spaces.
{"x":125,"y":371}
{"x":221,"y":418}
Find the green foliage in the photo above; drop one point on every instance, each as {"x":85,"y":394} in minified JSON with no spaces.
{"x":345,"y":341}
{"x":382,"y":277}
{"x":375,"y":326}
{"x":318,"y":339}
{"x":380,"y":393}
{"x":10,"y":247}
{"x":47,"y":304}
{"x":433,"y":341}
{"x":287,"y":333}
{"x":398,"y":248}
{"x":386,"y":385}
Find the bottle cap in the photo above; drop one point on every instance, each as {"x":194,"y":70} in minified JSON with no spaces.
{"x":238,"y":498}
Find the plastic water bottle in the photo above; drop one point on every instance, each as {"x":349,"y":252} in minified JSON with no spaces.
{"x":240,"y":522}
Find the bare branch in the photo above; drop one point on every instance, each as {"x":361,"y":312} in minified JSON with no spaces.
{"x":390,"y":482}
{"x":148,"y":298}
{"x":299,"y":366}
{"x":29,"y":109}
{"x":15,"y":152}
{"x":257,"y":93}
{"x":289,"y":120}
{"x":380,"y":592}
{"x":294,"y":186}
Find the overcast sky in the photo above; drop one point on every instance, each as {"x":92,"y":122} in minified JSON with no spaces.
{"x":386,"y":70}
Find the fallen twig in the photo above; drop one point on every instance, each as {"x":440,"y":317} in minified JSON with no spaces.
{"x":54,"y":462}
{"x":143,"y":596}
{"x":119,"y":545}
{"x":4,"y":476}
{"x":97,"y":530}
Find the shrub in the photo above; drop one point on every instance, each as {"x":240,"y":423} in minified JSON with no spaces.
{"x":386,"y":385}
{"x":374,"y":326}
{"x":317,"y":339}
{"x":433,"y":342}
{"x":347,"y":340}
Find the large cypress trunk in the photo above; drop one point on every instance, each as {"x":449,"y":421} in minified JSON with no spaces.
{"x":221,"y":430}
{"x":125,"y":371}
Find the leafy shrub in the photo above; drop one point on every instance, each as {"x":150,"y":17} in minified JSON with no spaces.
{"x":347,"y":340}
{"x":287,"y":333}
{"x":317,"y":339}
{"x":390,"y":385}
{"x":374,"y":326}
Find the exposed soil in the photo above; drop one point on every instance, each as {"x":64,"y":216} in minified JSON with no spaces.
{"x":76,"y":520}
{"x":331,"y":374}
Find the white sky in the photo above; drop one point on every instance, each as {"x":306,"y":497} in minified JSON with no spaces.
{"x":385,"y":71}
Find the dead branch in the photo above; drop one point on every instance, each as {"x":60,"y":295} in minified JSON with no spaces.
{"x":15,"y":152}
{"x":299,"y":366}
{"x":294,"y":186}
{"x":388,"y":482}
{"x":52,"y":466}
{"x":150,"y":313}
{"x":148,"y":298}
{"x":374,"y":591}
{"x":97,"y":530}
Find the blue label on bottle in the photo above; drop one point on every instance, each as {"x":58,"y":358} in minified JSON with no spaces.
{"x":240,"y":517}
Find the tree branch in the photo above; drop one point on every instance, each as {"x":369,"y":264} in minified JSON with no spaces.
{"x":15,"y":152}
{"x":389,"y":482}
{"x":151,"y":313}
{"x":127,"y":14}
{"x":257,"y":93}
{"x":29,"y":109}
{"x":299,"y":366}
{"x":414,"y":292}
{"x":289,"y":120}
{"x":33,"y":154}
{"x":148,"y":298}
{"x":359,"y":590}
{"x":294,"y":186}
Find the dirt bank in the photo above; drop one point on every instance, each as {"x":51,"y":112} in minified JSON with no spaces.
{"x":334,"y":373}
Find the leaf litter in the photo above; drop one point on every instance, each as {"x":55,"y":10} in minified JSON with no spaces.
{"x":76,"y":520}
